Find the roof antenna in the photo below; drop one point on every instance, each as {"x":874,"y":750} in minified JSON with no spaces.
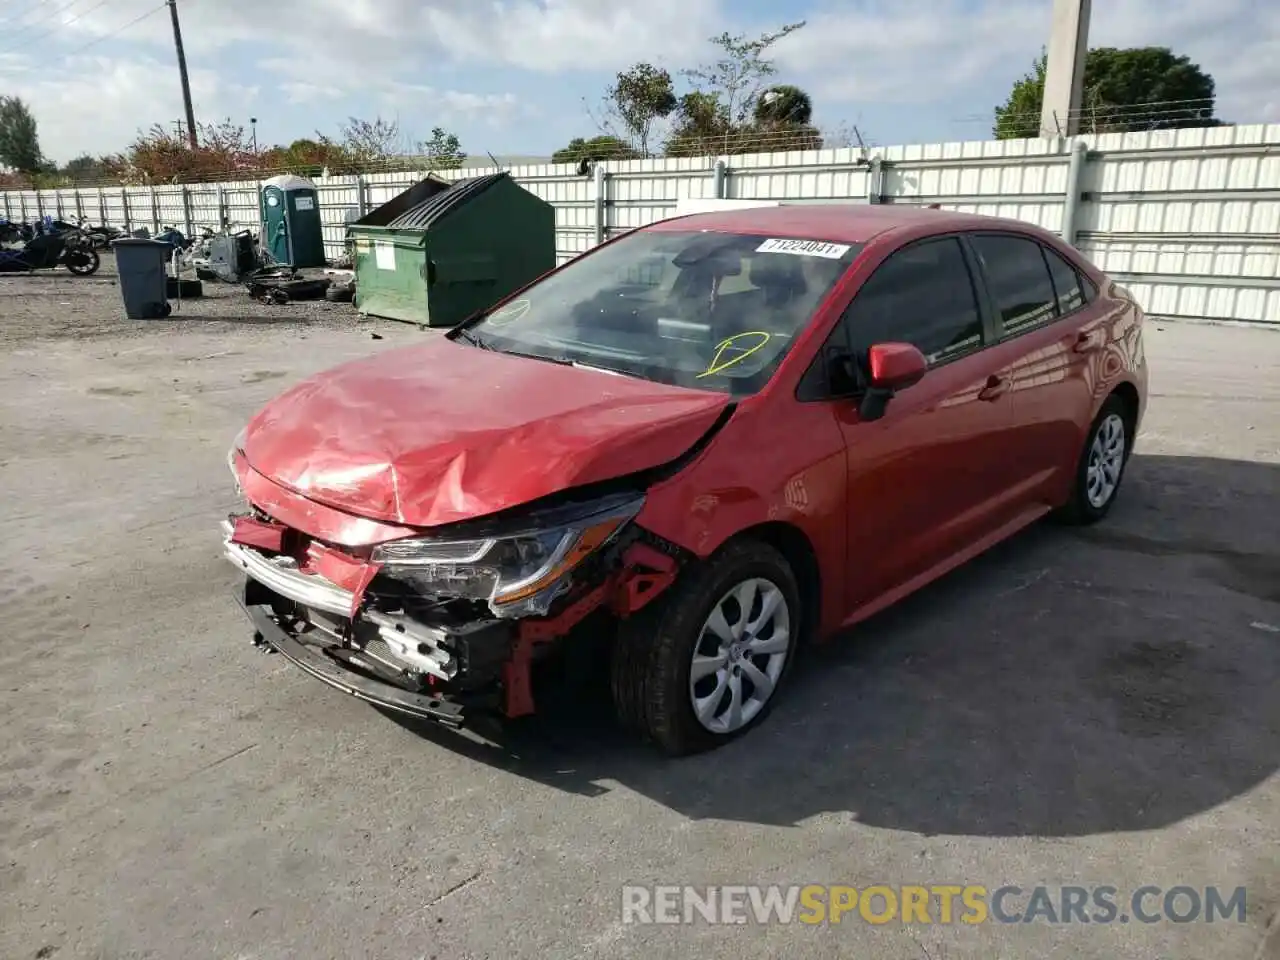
{"x":494,"y":159}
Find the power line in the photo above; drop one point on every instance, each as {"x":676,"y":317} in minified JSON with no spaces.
{"x":106,"y":36}
{"x":35,"y":23}
{"x":64,"y":23}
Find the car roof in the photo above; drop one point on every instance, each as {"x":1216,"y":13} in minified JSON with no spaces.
{"x":835,"y":222}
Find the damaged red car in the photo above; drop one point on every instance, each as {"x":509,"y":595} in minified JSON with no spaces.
{"x":699,"y":447}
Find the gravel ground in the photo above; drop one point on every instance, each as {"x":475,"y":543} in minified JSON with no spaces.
{"x":1072,"y":708}
{"x":56,"y":304}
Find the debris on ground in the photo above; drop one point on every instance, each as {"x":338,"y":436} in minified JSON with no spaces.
{"x":58,"y":305}
{"x":286,"y":286}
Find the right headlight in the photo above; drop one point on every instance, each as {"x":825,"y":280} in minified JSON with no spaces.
{"x":519,"y":572}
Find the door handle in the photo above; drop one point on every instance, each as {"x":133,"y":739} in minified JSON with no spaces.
{"x":1090,"y":342}
{"x":996,"y":388}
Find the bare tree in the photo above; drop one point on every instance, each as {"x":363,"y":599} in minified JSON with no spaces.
{"x":846,"y":135}
{"x":741,"y":71}
{"x":375,"y":139}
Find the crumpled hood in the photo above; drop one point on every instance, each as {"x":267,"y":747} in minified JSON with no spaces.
{"x":446,"y":431}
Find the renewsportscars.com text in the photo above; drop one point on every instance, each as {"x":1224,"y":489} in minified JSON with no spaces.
{"x":934,"y":904}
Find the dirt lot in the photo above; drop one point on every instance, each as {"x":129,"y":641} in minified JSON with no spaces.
{"x":1074,"y":708}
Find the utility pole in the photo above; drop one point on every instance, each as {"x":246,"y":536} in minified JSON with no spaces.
{"x":182,"y":72}
{"x":1064,"y":74}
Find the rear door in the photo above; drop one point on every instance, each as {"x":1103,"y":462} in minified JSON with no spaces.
{"x":1050,"y":338}
{"x":927,"y":480}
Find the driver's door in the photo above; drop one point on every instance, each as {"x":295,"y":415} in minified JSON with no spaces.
{"x":930,"y":477}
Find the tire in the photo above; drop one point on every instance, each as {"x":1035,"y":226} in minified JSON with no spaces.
{"x":340,"y":293}
{"x":653,"y":656}
{"x":184,"y":289}
{"x":84,"y":263}
{"x":1085,"y":507}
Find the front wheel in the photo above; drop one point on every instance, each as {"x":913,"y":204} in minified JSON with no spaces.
{"x":703,"y":665}
{"x":83,"y":263}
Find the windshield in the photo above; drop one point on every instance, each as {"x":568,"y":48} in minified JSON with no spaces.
{"x":714,"y":311}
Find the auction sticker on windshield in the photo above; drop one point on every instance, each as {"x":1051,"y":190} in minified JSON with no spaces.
{"x":805,"y":248}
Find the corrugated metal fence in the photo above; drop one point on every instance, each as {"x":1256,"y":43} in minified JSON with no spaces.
{"x":1188,"y":219}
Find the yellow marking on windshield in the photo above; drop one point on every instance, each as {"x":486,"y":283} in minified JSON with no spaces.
{"x":509,"y":313}
{"x":718,"y":365}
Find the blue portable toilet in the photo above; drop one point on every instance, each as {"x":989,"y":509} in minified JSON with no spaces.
{"x":292,"y":231}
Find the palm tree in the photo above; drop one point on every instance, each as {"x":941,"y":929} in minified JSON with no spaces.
{"x":784,"y":105}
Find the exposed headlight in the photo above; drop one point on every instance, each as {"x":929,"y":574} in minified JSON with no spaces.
{"x":518,"y":572}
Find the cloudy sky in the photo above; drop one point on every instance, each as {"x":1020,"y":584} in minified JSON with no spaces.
{"x":510,"y":76}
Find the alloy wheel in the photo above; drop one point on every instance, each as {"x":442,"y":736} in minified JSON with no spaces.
{"x":740,"y":655}
{"x":1106,"y":460}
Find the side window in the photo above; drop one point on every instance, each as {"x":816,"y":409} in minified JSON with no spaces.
{"x":1066,"y":282}
{"x":922,"y":295}
{"x":1019,"y":281}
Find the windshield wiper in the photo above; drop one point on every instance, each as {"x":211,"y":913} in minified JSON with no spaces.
{"x":560,"y":361}
{"x":583,"y":365}
{"x":471,"y":338}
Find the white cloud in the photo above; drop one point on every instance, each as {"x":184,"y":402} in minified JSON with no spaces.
{"x":908,"y":52}
{"x":377,"y":35}
{"x":565,"y":35}
{"x":303,"y":93}
{"x":100,"y":105}
{"x":446,"y":106}
{"x":432,"y":61}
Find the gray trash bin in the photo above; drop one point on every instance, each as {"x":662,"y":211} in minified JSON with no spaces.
{"x":143,"y":277}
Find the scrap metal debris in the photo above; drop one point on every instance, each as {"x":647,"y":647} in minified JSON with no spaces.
{"x":282,"y":286}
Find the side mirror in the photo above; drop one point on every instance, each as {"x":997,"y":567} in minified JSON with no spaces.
{"x":890,"y":367}
{"x":895,"y":366}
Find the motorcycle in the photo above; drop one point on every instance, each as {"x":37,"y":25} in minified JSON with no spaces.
{"x":72,"y":249}
{"x":100,"y":235}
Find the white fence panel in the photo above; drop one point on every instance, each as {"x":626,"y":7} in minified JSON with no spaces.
{"x":1188,"y":219}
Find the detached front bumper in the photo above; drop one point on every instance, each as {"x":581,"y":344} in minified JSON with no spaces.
{"x":421,"y":646}
{"x":385,"y":658}
{"x":344,"y":629}
{"x":341,"y":677}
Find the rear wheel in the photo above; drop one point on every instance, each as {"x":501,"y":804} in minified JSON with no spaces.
{"x":703,"y":665}
{"x":83,"y":263}
{"x":1101,"y":466}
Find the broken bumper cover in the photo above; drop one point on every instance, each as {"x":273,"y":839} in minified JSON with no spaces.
{"x":425,"y":669}
{"x":421,"y":646}
{"x":393,"y":647}
{"x":315,"y":662}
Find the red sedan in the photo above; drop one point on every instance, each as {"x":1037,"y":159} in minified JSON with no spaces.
{"x":703,"y":444}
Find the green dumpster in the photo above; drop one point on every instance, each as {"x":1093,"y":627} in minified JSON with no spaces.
{"x":448,"y":250}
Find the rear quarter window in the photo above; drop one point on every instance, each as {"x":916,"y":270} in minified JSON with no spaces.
{"x":1070,"y":287}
